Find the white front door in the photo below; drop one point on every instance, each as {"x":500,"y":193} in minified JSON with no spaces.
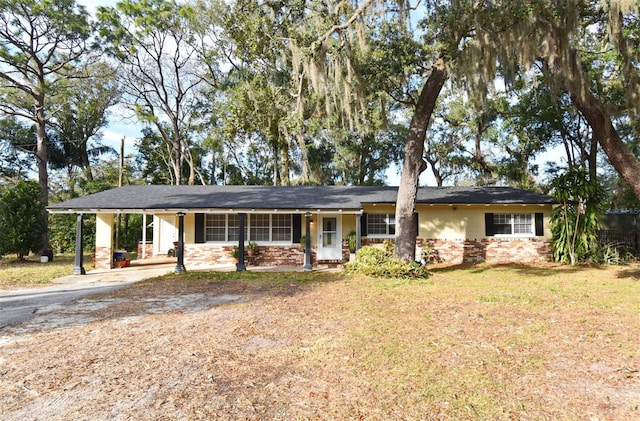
{"x":329,"y":237}
{"x":167,"y":234}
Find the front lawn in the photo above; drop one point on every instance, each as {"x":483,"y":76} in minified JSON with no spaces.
{"x":480,"y":342}
{"x":31,"y":272}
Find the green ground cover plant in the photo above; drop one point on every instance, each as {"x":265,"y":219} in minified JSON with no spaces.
{"x":31,"y":272}
{"x":379,"y":262}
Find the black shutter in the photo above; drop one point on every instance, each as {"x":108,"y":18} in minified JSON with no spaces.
{"x":488,"y":225}
{"x":199,"y":234}
{"x":539,"y":224}
{"x":415,"y":221}
{"x":363,"y":225}
{"x":296,"y":222}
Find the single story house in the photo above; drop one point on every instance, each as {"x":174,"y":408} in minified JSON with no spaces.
{"x":309,"y":225}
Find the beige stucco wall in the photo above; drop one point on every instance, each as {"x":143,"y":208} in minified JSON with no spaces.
{"x":103,"y":256}
{"x":379,"y":209}
{"x":445,"y":222}
{"x":190,"y":228}
{"x":456,"y":233}
{"x":313,"y":228}
{"x":348,"y":224}
{"x":104,"y":230}
{"x":458,"y":222}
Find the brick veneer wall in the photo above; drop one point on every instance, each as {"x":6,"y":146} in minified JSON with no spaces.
{"x":490,"y":250}
{"x":103,"y":258}
{"x":209,"y":254}
{"x":148,"y":253}
{"x":283,"y":256}
{"x":493,"y":250}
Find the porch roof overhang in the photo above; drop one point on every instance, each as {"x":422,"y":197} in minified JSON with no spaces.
{"x":294,"y":199}
{"x":197,"y":210}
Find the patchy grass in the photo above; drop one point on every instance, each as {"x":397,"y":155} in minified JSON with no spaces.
{"x":30,"y":272}
{"x":479,"y":342}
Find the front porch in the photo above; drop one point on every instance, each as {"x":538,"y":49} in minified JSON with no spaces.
{"x":316,"y":242}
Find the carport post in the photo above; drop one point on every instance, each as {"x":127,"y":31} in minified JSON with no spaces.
{"x":240,"y":266}
{"x":78,"y":269}
{"x":307,"y":242}
{"x":358,"y":230}
{"x":180,"y":252}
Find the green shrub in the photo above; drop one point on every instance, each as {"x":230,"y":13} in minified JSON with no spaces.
{"x":611,"y":254}
{"x":380,"y":263}
{"x":351,"y":241}
{"x":22,"y":219}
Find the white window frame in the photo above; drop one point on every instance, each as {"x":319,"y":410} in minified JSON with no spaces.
{"x":387,"y":219}
{"x":264,"y":226}
{"x":248,"y":230}
{"x":208,"y":227}
{"x":513,"y":216}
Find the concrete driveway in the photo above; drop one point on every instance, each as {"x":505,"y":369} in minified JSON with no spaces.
{"x":20,"y":305}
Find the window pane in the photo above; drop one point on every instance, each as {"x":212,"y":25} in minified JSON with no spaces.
{"x":392,"y":224}
{"x":522,"y":224}
{"x":377,"y":224}
{"x":281,"y":227}
{"x":259,"y":230}
{"x":513,"y":223}
{"x":329,"y":233}
{"x":234,"y":230}
{"x":215,"y":225}
{"x":502,"y":223}
{"x":381,"y":224}
{"x":329,"y":239}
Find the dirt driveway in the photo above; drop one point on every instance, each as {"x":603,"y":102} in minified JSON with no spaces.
{"x":150,"y":351}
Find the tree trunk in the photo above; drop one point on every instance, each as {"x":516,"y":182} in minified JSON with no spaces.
{"x":362,"y":162}
{"x":413,"y":165}
{"x":594,"y":112}
{"x":434,"y":170}
{"x":285,"y":180}
{"x":305,"y":174}
{"x":619,"y":154}
{"x":192,"y":165}
{"x":178,"y":162}
{"x":42,"y":156}
{"x":437,"y":176}
{"x":86,"y":163}
{"x":276,"y":163}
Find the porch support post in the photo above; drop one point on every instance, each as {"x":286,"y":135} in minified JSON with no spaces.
{"x":240,"y":266}
{"x":358,"y":230}
{"x":180,"y":252}
{"x":78,"y":269}
{"x":307,"y":242}
{"x":144,"y":236}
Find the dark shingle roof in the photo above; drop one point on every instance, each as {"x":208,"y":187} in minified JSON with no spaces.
{"x":155,"y":197}
{"x":481,"y":195}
